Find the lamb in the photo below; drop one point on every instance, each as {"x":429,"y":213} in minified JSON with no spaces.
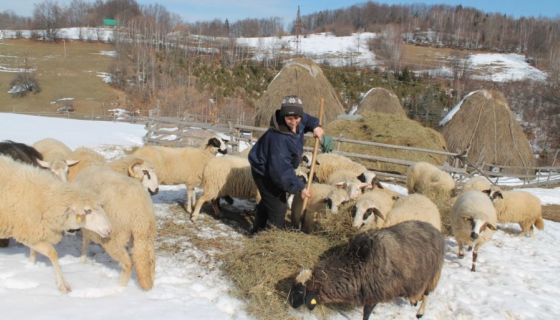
{"x":36,"y":208}
{"x":404,"y":260}
{"x":371,"y":209}
{"x":226,"y":176}
{"x":129,"y":209}
{"x":427,"y":179}
{"x":478,"y":183}
{"x":519,"y":207}
{"x":181,"y":165}
{"x":473,"y":222}
{"x":56,"y":154}
{"x":414,"y":207}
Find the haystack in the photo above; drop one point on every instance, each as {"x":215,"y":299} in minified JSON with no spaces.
{"x":389,"y":129}
{"x":381,"y":100}
{"x":485,"y":127}
{"x":304,"y":78}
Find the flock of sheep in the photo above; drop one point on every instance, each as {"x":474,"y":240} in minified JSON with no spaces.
{"x":398,"y":251}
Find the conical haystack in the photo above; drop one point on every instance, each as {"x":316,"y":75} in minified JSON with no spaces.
{"x":381,"y":100}
{"x":485,"y":127}
{"x":304,"y":78}
{"x":389,"y":129}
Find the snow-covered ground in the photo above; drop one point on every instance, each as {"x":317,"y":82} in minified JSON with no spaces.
{"x":516,"y":276}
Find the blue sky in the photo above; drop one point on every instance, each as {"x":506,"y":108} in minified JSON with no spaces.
{"x":192,"y":10}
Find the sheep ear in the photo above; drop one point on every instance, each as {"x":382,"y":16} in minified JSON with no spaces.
{"x":377,"y":183}
{"x":311,"y":300}
{"x":133,"y":166}
{"x":363,"y":186}
{"x":361,"y":177}
{"x":487,"y":191}
{"x":497,"y":194}
{"x":491,"y":226}
{"x":395,"y":198}
{"x":43,"y":164}
{"x":341,"y":185}
{"x":71,"y":162}
{"x":378,"y":213}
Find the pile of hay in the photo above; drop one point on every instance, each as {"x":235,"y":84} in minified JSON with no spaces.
{"x":381,"y":100}
{"x":389,"y":129}
{"x":304,"y":78}
{"x":264,"y":268}
{"x":486,"y":128}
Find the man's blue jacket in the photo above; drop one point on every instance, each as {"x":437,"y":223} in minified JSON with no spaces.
{"x":278,"y":152}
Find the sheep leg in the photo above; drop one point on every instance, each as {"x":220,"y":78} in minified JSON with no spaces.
{"x":216,"y":207}
{"x":474,"y":256}
{"x":197,"y":207}
{"x":49,"y":251}
{"x":85,"y":245}
{"x":32,"y":255}
{"x":368,"y":308}
{"x":188,"y":197}
{"x":461,"y":252}
{"x":420,"y":312}
{"x":119,"y":254}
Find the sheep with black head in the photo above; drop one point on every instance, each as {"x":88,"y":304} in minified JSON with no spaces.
{"x":404,"y":260}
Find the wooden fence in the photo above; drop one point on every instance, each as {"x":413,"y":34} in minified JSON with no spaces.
{"x":174,"y":132}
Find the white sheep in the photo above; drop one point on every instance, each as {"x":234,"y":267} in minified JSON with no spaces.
{"x":130,"y":211}
{"x":518,"y":207}
{"x":323,"y":196}
{"x":56,"y":154}
{"x":413,"y":207}
{"x":371,"y":208}
{"x":139,"y":169}
{"x":328,"y":163}
{"x":36,"y":208}
{"x":478,"y":183}
{"x":181,"y":165}
{"x":347,"y":180}
{"x":226,"y":176}
{"x":427,"y":179}
{"x":473,"y":221}
{"x":86,"y":157}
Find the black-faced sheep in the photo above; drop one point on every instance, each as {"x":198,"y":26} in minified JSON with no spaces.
{"x":518,"y":207}
{"x":371,"y":209}
{"x":181,"y":165}
{"x":404,"y":260}
{"x":473,"y":222}
{"x":36,"y":208}
{"x":56,"y":154}
{"x":226,"y":176}
{"x":130,"y":211}
{"x":427,"y":179}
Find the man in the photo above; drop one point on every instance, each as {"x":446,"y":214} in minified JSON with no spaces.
{"x":273,"y":160}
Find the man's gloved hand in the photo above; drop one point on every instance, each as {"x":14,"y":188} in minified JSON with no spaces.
{"x":327,"y":144}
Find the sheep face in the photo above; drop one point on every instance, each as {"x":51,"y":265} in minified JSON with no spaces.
{"x":60,"y":168}
{"x":218,"y":145}
{"x":365,"y":213}
{"x":92,"y":218}
{"x":477,"y":226}
{"x":146,"y":174}
{"x":300,"y":294}
{"x":368,"y":177}
{"x":306,"y":159}
{"x":353,"y":188}
{"x":335,"y":199}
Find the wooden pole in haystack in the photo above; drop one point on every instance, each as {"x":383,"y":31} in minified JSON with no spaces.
{"x":313,"y":162}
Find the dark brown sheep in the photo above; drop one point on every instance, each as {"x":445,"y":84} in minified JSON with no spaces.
{"x":404,"y":260}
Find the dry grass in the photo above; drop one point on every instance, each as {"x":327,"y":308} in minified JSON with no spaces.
{"x":551,"y":212}
{"x":60,"y":76}
{"x":389,"y":129}
{"x":419,"y":57}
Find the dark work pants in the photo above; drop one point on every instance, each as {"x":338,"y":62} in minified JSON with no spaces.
{"x":271,"y":210}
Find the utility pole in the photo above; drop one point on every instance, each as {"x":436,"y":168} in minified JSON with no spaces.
{"x":298,"y":27}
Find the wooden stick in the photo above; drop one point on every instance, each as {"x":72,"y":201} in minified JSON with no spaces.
{"x":313,"y":161}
